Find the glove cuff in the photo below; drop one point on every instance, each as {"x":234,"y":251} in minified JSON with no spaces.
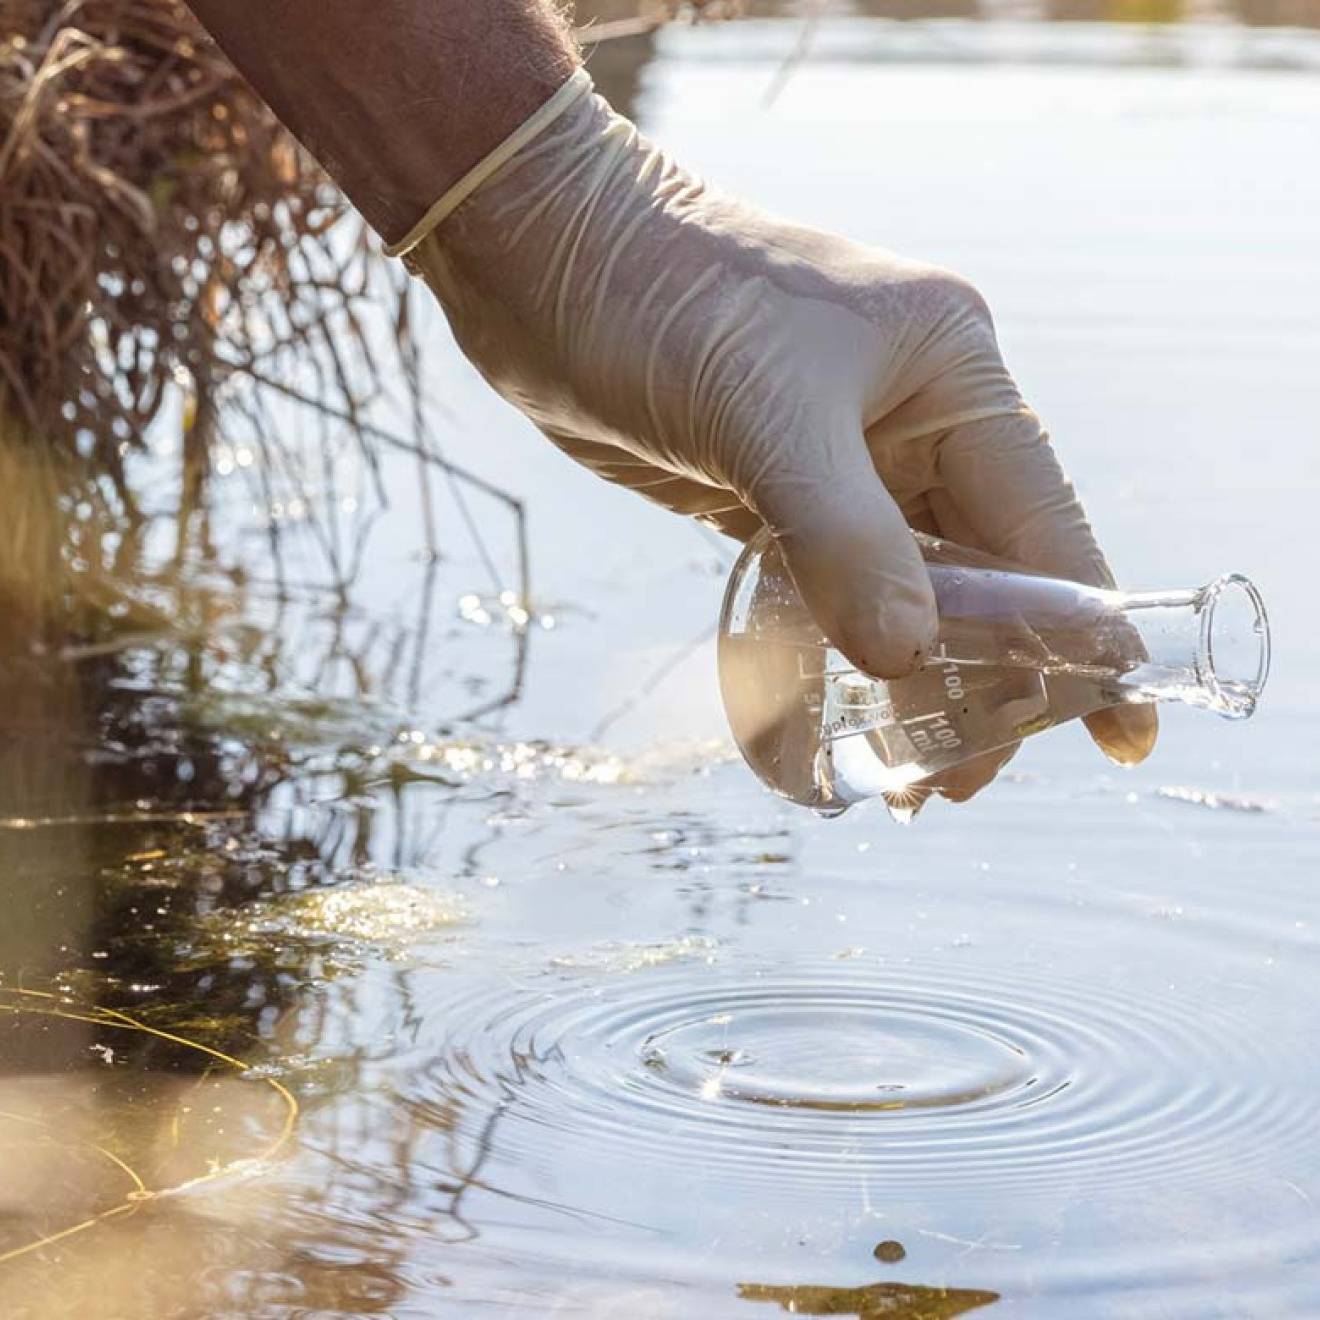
{"x":578,"y":85}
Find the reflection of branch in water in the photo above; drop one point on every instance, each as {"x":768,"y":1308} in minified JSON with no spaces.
{"x":467,"y":1179}
{"x":512,"y":694}
{"x":425,"y":450}
{"x":157,"y":731}
{"x":370,"y":431}
{"x":890,"y":1301}
{"x":199,"y":612}
{"x":421,"y":645}
{"x":177,"y":850}
{"x":466,"y":1176}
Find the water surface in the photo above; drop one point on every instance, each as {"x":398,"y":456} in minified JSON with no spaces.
{"x":420,"y":948}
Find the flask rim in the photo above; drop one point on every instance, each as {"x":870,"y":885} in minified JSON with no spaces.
{"x":1233,"y":694}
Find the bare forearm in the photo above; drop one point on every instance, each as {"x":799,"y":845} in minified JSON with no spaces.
{"x":397,"y":98}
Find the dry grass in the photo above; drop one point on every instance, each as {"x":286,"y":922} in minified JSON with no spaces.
{"x":161,"y":236}
{"x":160,"y":233}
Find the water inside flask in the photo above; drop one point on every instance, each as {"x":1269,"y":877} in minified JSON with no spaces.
{"x":1018,"y":653}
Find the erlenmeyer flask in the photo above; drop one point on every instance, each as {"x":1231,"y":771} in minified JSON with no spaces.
{"x":1017,"y":653}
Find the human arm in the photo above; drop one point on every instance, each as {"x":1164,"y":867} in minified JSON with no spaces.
{"x":396,"y":98}
{"x":722,"y":362}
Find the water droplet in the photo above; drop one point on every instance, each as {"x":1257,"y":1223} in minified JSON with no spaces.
{"x":730,"y":1058}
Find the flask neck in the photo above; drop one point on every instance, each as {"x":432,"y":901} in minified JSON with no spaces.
{"x":1208,"y":647}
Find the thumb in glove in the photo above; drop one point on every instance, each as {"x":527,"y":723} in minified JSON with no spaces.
{"x":849,"y":549}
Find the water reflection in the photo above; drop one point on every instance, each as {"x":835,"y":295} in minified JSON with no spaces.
{"x":203,"y":833}
{"x":958,"y":30}
{"x":902,"y":1301}
{"x":492,"y":974}
{"x":583,"y":1032}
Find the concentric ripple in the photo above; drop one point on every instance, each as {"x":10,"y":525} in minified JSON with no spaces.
{"x":821,"y":1073}
{"x":836,"y":1052}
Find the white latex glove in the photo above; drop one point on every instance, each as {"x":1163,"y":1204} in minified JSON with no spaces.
{"x":743,"y":370}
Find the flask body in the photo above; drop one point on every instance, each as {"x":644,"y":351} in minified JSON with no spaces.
{"x":1017,"y":653}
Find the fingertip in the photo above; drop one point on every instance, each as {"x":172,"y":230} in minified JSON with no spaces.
{"x":891,"y":637}
{"x":1125,"y":734}
{"x":867,"y":587}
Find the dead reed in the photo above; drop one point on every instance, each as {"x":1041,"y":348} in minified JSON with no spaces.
{"x":161,"y":236}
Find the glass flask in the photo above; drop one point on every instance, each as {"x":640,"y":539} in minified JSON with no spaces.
{"x":1018,"y":653}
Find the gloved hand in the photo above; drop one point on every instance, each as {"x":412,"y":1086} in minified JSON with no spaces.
{"x":745,"y":371}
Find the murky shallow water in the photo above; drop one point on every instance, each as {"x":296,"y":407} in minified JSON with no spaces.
{"x":421,"y":1002}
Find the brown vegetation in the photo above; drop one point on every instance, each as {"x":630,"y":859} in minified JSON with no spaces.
{"x":161,"y":236}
